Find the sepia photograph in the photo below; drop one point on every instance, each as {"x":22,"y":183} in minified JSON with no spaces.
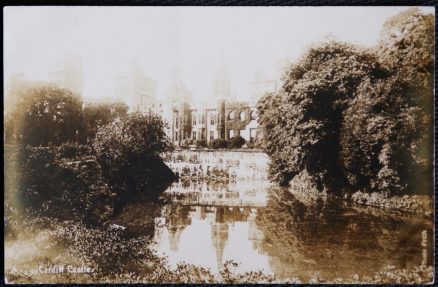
{"x":232,"y":145}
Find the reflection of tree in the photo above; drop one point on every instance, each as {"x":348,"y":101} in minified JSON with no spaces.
{"x":138,"y":217}
{"x":305,"y":239}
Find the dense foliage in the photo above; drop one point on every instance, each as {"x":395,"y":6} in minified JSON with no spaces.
{"x":128,"y":150}
{"x":354,"y":117}
{"x":100,"y":114}
{"x":48,"y":115}
{"x":46,"y":171}
{"x":43,"y":116}
{"x":236,"y":142}
{"x":219,"y":143}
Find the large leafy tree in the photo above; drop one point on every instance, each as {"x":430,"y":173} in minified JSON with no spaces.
{"x":351,"y":117}
{"x":46,"y":115}
{"x":391,"y":118}
{"x":301,"y":123}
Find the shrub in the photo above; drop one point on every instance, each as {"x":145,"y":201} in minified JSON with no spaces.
{"x":236,"y":142}
{"x":100,"y":114}
{"x":219,"y":143}
{"x":201,"y":143}
{"x":129,"y":151}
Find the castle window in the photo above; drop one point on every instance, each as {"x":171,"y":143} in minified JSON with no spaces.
{"x":254,"y":115}
{"x":253,"y":134}
{"x":242,"y":116}
{"x":231,"y":116}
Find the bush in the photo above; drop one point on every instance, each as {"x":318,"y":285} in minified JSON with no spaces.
{"x":73,"y":151}
{"x":219,"y":143}
{"x":129,"y":151}
{"x":251,"y":144}
{"x":236,"y":142}
{"x":100,"y":114}
{"x":201,"y":143}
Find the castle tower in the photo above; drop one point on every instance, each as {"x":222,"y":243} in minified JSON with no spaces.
{"x":178,"y":93}
{"x":222,"y":84}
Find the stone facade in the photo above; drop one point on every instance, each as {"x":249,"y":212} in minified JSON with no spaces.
{"x":226,"y":120}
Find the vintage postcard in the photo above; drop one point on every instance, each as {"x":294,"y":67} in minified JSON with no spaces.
{"x":219,"y":144}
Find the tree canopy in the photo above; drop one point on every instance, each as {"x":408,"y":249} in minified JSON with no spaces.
{"x":46,"y":115}
{"x":355,"y":117}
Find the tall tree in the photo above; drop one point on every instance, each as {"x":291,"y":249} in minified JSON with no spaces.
{"x":301,"y":124}
{"x":46,"y":115}
{"x":356,"y":118}
{"x":391,"y":119}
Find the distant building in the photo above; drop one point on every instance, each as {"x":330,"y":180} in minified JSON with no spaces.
{"x":240,"y":120}
{"x":69,"y":74}
{"x":261,"y":85}
{"x":137,"y":90}
{"x":226,"y":120}
{"x":178,"y":93}
{"x":222,"y":85}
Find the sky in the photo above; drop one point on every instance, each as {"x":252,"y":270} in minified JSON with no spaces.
{"x":193,"y":39}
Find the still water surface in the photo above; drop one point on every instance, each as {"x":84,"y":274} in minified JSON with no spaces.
{"x":264,"y":227}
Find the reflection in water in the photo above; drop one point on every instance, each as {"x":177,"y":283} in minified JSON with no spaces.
{"x":207,"y":224}
{"x":219,"y":164}
{"x":333,"y":241}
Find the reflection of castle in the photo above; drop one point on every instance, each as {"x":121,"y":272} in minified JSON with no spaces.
{"x":244,"y":193}
{"x":220,"y":219}
{"x":177,"y":222}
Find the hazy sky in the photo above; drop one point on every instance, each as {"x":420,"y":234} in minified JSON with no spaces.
{"x":109,"y":39}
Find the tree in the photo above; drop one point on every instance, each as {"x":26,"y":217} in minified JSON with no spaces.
{"x":391,"y":118}
{"x":46,"y":115}
{"x":100,"y":114}
{"x":301,"y":123}
{"x":356,"y":118}
{"x":128,"y":149}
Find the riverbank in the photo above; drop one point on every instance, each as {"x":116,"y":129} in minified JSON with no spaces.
{"x":414,"y":204}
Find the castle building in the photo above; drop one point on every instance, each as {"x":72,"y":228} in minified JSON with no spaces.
{"x":226,"y":119}
{"x":68,"y":74}
{"x":261,"y":85}
{"x":137,"y":90}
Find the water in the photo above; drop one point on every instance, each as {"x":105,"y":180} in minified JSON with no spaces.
{"x":240,"y":216}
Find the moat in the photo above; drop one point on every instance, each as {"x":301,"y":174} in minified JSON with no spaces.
{"x":234,"y":213}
